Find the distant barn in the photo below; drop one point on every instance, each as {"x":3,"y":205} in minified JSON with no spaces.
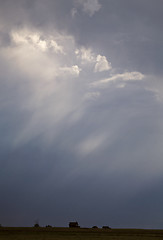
{"x":74,"y":225}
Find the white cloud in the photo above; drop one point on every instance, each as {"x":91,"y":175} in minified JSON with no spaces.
{"x":90,"y":6}
{"x":74,"y":71}
{"x":102,"y":64}
{"x":43,"y":45}
{"x":48,"y":67}
{"x":127,"y":76}
{"x":36,"y":40}
{"x":86,"y":55}
{"x":56,"y":47}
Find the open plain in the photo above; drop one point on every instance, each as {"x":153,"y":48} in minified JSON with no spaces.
{"x":41,"y":233}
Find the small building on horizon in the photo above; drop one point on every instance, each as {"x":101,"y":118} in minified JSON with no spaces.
{"x":74,"y":225}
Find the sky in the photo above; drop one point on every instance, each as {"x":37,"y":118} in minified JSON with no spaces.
{"x":81,"y":109}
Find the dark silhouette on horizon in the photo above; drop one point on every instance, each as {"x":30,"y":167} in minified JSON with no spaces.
{"x":74,"y":225}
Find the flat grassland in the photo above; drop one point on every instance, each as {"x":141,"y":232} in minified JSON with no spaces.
{"x":41,"y":233}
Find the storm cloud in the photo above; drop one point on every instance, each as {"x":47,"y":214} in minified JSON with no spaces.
{"x":81,"y":106}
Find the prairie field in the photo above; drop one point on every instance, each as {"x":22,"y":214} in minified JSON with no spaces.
{"x":41,"y":233}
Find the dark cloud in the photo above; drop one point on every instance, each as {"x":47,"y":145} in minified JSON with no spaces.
{"x":71,"y":149}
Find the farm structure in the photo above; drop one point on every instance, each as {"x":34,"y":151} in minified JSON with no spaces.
{"x":74,"y":225}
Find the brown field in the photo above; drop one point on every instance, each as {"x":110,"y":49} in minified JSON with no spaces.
{"x":42,"y":233}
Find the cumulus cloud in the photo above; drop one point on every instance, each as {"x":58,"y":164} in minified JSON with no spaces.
{"x":56,"y":47}
{"x":86,"y":55}
{"x":36,"y":40}
{"x":74,"y":70}
{"x":102,"y":64}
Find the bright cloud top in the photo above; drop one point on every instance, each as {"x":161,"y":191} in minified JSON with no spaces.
{"x":102,"y":64}
{"x":87,"y":56}
{"x":36,"y":40}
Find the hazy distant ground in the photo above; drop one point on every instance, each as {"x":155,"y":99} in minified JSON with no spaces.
{"x":75,"y":234}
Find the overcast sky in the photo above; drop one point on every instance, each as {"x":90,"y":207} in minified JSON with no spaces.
{"x":81,"y":112}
